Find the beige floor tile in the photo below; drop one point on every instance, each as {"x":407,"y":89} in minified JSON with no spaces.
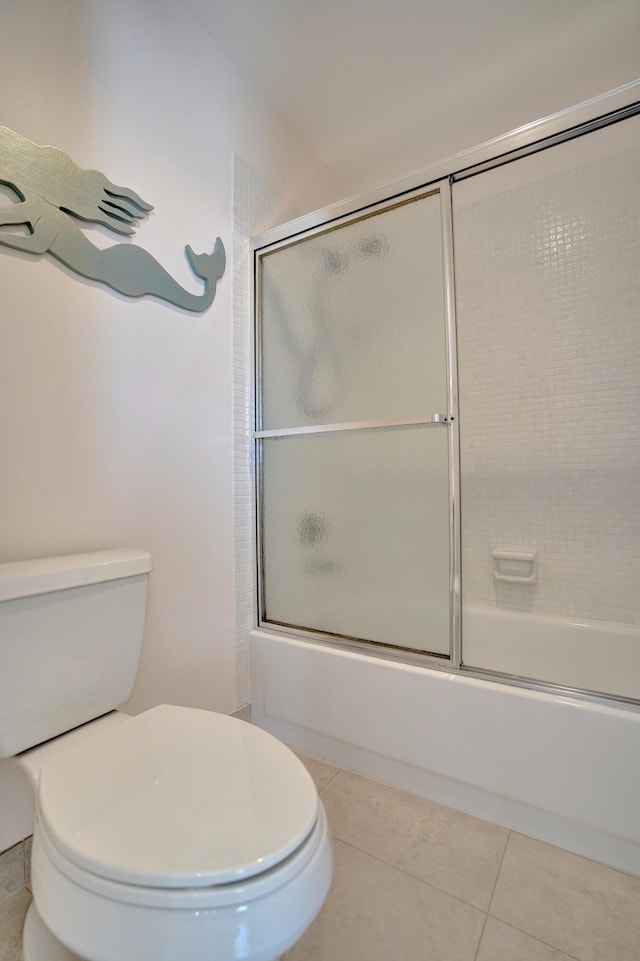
{"x":375,"y":912}
{"x":455,"y":852}
{"x":585,"y":909}
{"x":12,"y":912}
{"x":320,"y":770}
{"x":502,"y":943}
{"x":11,"y":871}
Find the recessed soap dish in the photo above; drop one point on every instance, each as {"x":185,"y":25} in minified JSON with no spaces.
{"x":512,"y":566}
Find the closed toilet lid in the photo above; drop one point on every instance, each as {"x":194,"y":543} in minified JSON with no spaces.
{"x":177,"y":797}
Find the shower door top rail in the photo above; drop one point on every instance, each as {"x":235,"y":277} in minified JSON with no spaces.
{"x":609,"y":107}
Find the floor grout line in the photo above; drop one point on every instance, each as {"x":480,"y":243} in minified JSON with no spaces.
{"x":484,"y":924}
{"x":495,"y":883}
{"x":547,"y":944}
{"x":414,"y":877}
{"x":493,"y":891}
{"x":327,"y":783}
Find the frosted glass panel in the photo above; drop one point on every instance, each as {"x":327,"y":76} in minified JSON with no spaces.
{"x":353,"y":322}
{"x":356,"y":535}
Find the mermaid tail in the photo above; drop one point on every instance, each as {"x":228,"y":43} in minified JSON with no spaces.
{"x":127,"y":268}
{"x":134,"y":272}
{"x":210,"y":267}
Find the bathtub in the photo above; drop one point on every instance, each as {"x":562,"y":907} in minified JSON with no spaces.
{"x":559,"y":768}
{"x":576,"y":653}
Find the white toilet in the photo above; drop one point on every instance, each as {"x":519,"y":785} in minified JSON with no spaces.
{"x":176,"y":835}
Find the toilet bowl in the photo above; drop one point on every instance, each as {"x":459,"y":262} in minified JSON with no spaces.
{"x":178,"y":834}
{"x":175,"y":835}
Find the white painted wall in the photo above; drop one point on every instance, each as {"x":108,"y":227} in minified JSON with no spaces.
{"x":115,"y":415}
{"x":394,"y":85}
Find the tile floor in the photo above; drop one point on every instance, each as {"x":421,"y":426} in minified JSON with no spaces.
{"x":415,"y":881}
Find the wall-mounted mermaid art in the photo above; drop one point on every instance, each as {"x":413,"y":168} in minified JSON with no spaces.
{"x":55,"y":194}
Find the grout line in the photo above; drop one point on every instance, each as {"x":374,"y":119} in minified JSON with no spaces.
{"x":410,"y":874}
{"x":574,"y":854}
{"x":547,"y":944}
{"x":314,"y":757}
{"x":493,"y":891}
{"x":321,"y":789}
{"x":528,"y":934}
{"x":484,"y":924}
{"x":495,"y":883}
{"x":334,"y":775}
{"x":414,"y":877}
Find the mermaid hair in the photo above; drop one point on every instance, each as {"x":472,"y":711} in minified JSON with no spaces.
{"x":86,"y":194}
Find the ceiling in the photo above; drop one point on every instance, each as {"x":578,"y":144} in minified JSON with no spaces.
{"x":379,"y":88}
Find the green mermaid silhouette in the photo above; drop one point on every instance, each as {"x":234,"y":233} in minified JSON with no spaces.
{"x":53,"y":191}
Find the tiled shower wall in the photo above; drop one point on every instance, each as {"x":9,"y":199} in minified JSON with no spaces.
{"x":548,"y":305}
{"x":257,"y":207}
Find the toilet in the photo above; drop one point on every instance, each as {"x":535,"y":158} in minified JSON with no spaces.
{"x":174,"y":835}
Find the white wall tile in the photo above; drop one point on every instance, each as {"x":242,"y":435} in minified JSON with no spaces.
{"x":548,"y":301}
{"x":257,"y":206}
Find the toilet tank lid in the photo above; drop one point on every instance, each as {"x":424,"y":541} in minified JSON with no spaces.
{"x":42,"y":576}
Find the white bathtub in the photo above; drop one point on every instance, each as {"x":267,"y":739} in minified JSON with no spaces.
{"x":576,"y":653}
{"x":558,"y":768}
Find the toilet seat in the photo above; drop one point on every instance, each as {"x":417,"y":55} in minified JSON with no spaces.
{"x":258,"y":919}
{"x":174,"y":799}
{"x":177,"y":834}
{"x":188,"y":898}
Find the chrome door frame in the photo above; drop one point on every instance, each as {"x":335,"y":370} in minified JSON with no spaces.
{"x":611,"y":107}
{"x":448,"y":420}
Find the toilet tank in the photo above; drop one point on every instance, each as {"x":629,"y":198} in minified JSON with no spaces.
{"x":70,"y":639}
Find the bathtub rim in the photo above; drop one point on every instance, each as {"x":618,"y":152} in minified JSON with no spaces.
{"x":413,"y":658}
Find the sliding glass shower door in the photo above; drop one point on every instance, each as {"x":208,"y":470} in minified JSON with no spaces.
{"x":359,"y":359}
{"x":353,"y":444}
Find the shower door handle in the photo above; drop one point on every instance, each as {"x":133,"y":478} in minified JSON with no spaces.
{"x":435,"y":419}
